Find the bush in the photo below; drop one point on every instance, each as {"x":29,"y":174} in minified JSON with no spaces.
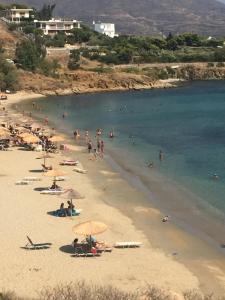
{"x":101,"y":70}
{"x":163,"y":74}
{"x":220,"y":65}
{"x":131,"y":70}
{"x":210,"y":65}
{"x":12,"y":26}
{"x":8,"y":75}
{"x":49,"y":67}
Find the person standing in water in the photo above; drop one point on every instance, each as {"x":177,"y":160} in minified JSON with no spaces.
{"x":111,"y":134}
{"x":89,"y":145}
{"x":161,"y":155}
{"x":86,"y":136}
{"x":102,"y":146}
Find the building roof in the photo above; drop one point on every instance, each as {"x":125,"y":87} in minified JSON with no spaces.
{"x":57,"y":21}
{"x":21,"y":9}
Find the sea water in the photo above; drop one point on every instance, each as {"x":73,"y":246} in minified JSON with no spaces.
{"x":187,"y":123}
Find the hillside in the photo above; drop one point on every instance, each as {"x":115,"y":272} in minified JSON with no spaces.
{"x":146,"y":16}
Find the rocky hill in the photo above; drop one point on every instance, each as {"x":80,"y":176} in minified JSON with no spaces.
{"x":146,"y":16}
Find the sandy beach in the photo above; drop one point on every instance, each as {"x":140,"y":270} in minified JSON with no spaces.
{"x":169,"y":257}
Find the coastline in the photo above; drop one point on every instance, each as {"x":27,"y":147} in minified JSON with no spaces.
{"x":177,"y":272}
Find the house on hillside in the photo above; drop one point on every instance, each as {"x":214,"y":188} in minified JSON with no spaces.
{"x":105,"y":28}
{"x":16,"y":15}
{"x":54,"y":26}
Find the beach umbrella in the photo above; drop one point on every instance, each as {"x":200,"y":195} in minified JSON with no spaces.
{"x":71,"y":194}
{"x":54,"y":173}
{"x":22,"y":129}
{"x":4,"y":129}
{"x":44,"y":156}
{"x":56,"y":138}
{"x":5,"y":136}
{"x":90,"y":228}
{"x":24,"y":134}
{"x":35,"y":125}
{"x":31,"y":139}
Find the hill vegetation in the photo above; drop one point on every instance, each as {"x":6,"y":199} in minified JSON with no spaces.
{"x":143,"y":17}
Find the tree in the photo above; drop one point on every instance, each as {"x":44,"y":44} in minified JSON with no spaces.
{"x":172,"y":44}
{"x":219,"y":55}
{"x":8,"y":75}
{"x":27,"y":55}
{"x":46,"y":13}
{"x":73,"y":63}
{"x":49,"y":67}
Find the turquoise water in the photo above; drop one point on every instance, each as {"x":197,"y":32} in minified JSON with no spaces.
{"x":186,"y":123}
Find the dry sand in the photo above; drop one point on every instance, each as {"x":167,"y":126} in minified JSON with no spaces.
{"x":24,"y":212}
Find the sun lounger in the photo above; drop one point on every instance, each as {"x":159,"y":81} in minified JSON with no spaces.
{"x":79,"y":170}
{"x":60,"y":178}
{"x":46,"y":168}
{"x":52,"y":192}
{"x":22,"y":182}
{"x":69,"y":163}
{"x":31,"y":179}
{"x":31,"y":246}
{"x":127,"y":244}
{"x":88,"y":254}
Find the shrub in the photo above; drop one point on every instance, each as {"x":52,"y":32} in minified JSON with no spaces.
{"x":49,"y":67}
{"x":220,"y":65}
{"x":101,"y":70}
{"x":210,"y":65}
{"x":12,"y":26}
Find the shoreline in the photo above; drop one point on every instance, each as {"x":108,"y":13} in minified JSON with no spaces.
{"x":153,"y":227}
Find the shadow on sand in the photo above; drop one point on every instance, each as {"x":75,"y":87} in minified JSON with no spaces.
{"x":67,"y":249}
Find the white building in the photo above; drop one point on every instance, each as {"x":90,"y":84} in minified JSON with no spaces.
{"x":54,"y":26}
{"x":16,"y":15}
{"x":105,"y":28}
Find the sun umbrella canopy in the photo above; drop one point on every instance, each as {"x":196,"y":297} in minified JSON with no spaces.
{"x":31,"y":139}
{"x":45,"y":155}
{"x":25,"y":134}
{"x":4,"y":129}
{"x":54,"y":173}
{"x":56,"y":138}
{"x":5,"y":136}
{"x":89,"y":228}
{"x":71,"y":194}
{"x":22,"y":129}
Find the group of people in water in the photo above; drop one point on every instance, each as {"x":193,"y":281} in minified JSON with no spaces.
{"x":97,"y":147}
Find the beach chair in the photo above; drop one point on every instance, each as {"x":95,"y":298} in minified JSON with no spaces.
{"x":69,"y":163}
{"x":31,"y":178}
{"x":22,"y":182}
{"x":45,"y":168}
{"x":31,"y":246}
{"x":79,"y":170}
{"x":52,"y":192}
{"x":60,"y":178}
{"x":127,"y":244}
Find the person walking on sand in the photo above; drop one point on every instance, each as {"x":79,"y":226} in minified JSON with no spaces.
{"x":89,"y":145}
{"x":46,"y":120}
{"x":161,"y":155}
